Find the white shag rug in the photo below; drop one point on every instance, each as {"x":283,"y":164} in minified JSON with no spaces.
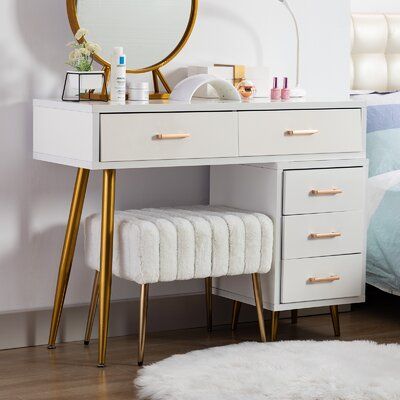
{"x":301,"y":370}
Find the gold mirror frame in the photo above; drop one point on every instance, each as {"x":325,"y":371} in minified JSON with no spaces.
{"x":154,"y":69}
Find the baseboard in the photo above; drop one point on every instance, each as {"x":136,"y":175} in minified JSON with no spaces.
{"x":165,"y":313}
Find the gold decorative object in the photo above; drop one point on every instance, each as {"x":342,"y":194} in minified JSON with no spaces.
{"x":246,"y":89}
{"x":154,"y":68}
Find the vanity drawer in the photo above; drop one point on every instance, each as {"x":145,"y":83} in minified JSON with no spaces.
{"x":322,"y":278}
{"x":130,"y":137}
{"x":323,"y":190}
{"x":316,"y":235}
{"x":300,"y":132}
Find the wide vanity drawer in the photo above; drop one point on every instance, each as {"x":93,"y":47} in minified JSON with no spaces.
{"x":167,"y":136}
{"x":300,"y":132}
{"x":316,"y":235}
{"x":323,"y":190}
{"x":322,"y":278}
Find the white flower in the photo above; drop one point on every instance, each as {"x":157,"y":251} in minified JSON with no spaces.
{"x":74,"y":55}
{"x":81,"y":33}
{"x":84,"y":52}
{"x":93,"y":47}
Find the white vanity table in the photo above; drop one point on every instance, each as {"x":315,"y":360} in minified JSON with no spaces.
{"x":303,"y":163}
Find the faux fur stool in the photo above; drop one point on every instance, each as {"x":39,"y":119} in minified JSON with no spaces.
{"x":172,"y":244}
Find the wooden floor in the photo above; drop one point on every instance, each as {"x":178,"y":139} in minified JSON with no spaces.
{"x":69,"y":372}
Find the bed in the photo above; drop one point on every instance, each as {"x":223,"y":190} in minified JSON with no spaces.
{"x":376,"y":79}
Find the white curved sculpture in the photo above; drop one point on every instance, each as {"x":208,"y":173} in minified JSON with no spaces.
{"x":185,"y":90}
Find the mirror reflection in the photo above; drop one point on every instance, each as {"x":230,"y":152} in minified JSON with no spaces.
{"x":148,"y":30}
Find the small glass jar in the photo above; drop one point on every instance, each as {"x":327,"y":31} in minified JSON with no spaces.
{"x":138,"y":91}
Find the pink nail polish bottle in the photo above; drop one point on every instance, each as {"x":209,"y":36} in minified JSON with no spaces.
{"x":285,"y":92}
{"x":275,"y":91}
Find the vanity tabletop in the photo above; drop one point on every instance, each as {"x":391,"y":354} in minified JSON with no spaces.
{"x":199,"y":105}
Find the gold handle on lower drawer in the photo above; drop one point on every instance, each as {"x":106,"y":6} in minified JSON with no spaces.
{"x":169,"y":136}
{"x":302,"y":132}
{"x":326,"y":192}
{"x":329,"y":235}
{"x":329,"y":279}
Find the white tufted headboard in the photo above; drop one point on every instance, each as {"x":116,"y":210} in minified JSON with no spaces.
{"x":375,"y":52}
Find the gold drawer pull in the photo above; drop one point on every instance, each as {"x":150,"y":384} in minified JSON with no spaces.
{"x":324,"y":280}
{"x":326,"y":192}
{"x":302,"y":132}
{"x":169,"y":136}
{"x":329,"y":235}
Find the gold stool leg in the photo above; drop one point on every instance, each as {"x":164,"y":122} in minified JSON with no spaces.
{"x":144,"y":300}
{"x":335,"y":320}
{"x":274,"y":325}
{"x":235,"y":314}
{"x":92,"y":309}
{"x":294,"y":316}
{"x":106,"y":255}
{"x":259,"y":305}
{"x":68,"y":250}
{"x":208,"y":287}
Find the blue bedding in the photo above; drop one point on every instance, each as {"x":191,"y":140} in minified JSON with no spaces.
{"x":383,"y":151}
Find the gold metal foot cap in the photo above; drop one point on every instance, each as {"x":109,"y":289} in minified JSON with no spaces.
{"x":101,"y":365}
{"x":86,"y":342}
{"x":140,"y":363}
{"x":51,"y":347}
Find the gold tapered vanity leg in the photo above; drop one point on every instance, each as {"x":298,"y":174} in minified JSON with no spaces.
{"x":294,"y":315}
{"x":144,"y":301}
{"x":274,"y":325}
{"x":92,"y":309}
{"x":106,"y":254}
{"x":335,"y":320}
{"x":68,"y":250}
{"x":208,"y":287}
{"x":259,"y":305}
{"x":235,"y":314}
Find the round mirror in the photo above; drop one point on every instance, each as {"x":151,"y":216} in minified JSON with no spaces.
{"x":152,"y":32}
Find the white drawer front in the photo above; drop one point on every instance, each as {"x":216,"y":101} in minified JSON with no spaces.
{"x":323,"y":190}
{"x":345,"y":273}
{"x":300,"y":132}
{"x":131,"y":137}
{"x":316,"y":235}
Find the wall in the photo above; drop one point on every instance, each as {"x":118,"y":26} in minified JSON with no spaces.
{"x":375,"y":6}
{"x":34,"y":196}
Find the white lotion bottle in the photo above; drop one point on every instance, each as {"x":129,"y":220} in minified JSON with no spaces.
{"x":118,"y":76}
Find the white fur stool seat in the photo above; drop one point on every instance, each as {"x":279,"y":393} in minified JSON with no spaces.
{"x":163,"y":245}
{"x":170,"y":244}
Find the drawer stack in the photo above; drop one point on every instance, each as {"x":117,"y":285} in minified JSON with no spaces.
{"x":322,"y":234}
